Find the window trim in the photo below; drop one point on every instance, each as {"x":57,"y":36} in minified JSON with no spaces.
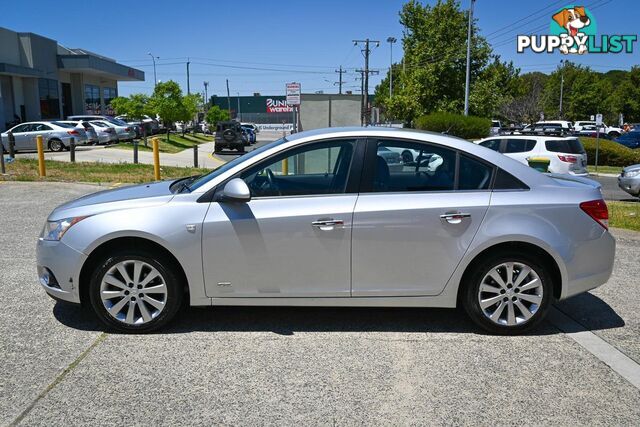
{"x":366,"y":182}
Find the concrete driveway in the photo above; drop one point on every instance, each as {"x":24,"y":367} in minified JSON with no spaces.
{"x":307,"y":366}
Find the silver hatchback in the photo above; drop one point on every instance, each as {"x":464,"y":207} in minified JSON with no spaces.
{"x":321,"y":219}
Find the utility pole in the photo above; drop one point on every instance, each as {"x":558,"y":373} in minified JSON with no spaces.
{"x":341,"y":71}
{"x":562,"y":62}
{"x":467,"y":78}
{"x":188,"y":86}
{"x":239,"y":111}
{"x":206,"y":100}
{"x":391,"y":41}
{"x":228,"y":99}
{"x":366,"y":72}
{"x":155,"y":79}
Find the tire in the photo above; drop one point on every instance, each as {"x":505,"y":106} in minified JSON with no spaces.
{"x":56,"y":145}
{"x":511,"y":319}
{"x":107,"y":281}
{"x":614,"y":134}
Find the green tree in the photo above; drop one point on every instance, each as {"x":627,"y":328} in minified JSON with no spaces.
{"x":432,"y":77}
{"x":215,"y":115}
{"x":167,"y":103}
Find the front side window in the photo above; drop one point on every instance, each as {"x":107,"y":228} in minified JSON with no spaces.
{"x":412,"y":166}
{"x":319,"y":168}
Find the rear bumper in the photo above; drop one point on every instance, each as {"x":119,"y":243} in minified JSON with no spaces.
{"x":59,"y":268}
{"x":590,"y":266}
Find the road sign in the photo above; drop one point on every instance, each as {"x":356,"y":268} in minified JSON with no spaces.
{"x":593,"y":117}
{"x":293,"y":93}
{"x":598,"y":119}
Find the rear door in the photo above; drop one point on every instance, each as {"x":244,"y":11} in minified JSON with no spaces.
{"x":412,"y":226}
{"x":519,"y":149}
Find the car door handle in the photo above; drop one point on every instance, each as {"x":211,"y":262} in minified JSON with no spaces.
{"x":327,"y":224}
{"x":455,"y":217}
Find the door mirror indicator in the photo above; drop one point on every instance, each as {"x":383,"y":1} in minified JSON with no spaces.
{"x":235,"y":190}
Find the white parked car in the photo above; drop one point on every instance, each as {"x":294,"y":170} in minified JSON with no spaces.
{"x":495,"y":127}
{"x":564,"y":126}
{"x":56,"y":136}
{"x":106,"y":133}
{"x":612,"y":131}
{"x":567,"y":155}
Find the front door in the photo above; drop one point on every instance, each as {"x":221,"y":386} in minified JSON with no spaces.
{"x":413,"y":223}
{"x":293,"y":239}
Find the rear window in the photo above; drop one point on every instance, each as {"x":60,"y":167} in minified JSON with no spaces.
{"x":570,"y":146}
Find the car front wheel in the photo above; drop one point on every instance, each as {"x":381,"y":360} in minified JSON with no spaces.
{"x":135,"y":291}
{"x":508,"y":294}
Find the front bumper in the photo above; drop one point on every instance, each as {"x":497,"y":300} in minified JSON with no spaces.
{"x":630,"y":185}
{"x":63,"y":265}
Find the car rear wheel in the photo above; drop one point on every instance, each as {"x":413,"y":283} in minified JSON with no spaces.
{"x":508,"y":293}
{"x":56,"y":145}
{"x":134,"y":291}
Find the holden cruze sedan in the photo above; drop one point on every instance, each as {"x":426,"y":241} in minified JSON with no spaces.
{"x":320,"y":219}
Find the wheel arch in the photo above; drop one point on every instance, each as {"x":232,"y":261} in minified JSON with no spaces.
{"x":98,"y":253}
{"x":537,"y":250}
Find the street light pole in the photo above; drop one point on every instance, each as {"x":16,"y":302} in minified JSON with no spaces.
{"x":391,"y":41}
{"x":467,"y":77}
{"x":153,"y":58}
{"x":206,"y":100}
{"x":239,"y":111}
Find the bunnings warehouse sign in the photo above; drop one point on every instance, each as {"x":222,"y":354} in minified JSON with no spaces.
{"x":278,"y":106}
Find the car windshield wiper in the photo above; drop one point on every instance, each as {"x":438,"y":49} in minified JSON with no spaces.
{"x":183,"y":184}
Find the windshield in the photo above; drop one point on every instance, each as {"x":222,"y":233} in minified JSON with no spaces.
{"x":117,"y":122}
{"x":229,"y":165}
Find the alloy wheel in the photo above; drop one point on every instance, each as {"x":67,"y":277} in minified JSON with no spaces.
{"x":55,"y":145}
{"x":133,"y":292}
{"x":510,"y":294}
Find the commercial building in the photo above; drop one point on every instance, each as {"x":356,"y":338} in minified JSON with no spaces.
{"x":316,"y":110}
{"x":41,"y":79}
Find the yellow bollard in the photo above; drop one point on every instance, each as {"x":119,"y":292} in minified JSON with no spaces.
{"x":156,"y":159}
{"x":285,"y":166}
{"x":41,"y":167}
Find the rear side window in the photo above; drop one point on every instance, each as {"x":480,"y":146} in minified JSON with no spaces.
{"x":473,"y":174}
{"x":519,"y":145}
{"x":571,"y":146}
{"x":492,"y":144}
{"x":506,"y":181}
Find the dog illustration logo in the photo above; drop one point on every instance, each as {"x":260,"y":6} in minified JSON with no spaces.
{"x":573,"y":20}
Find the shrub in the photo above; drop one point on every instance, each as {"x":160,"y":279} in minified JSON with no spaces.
{"x":467,"y":127}
{"x":610,"y":153}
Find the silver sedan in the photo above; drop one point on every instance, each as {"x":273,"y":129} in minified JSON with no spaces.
{"x":320,"y":219}
{"x":629,"y":180}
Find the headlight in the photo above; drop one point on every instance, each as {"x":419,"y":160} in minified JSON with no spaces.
{"x":54,"y":230}
{"x":631,"y":174}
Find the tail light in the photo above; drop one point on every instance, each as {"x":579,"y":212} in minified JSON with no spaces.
{"x":127,"y":129}
{"x":568,"y":159}
{"x":597,"y":209}
{"x":73,"y":132}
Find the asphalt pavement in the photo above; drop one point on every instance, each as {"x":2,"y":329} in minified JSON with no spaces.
{"x":610,"y":189}
{"x":307,"y":366}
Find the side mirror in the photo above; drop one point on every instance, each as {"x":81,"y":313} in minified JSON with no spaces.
{"x":236,"y":190}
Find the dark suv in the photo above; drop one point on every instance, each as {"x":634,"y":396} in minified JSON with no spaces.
{"x":229,"y":136}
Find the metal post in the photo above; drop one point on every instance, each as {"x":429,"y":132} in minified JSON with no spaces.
{"x":156,"y":158}
{"x":144,"y":135}
{"x":195,"y":156}
{"x":239,"y":111}
{"x":135,"y":150}
{"x":12,"y":145}
{"x":42,"y":170}
{"x":3,"y":170}
{"x":228,"y":99}
{"x":597,"y":146}
{"x":468,"y":74}
{"x":72,"y":150}
{"x":155,"y":79}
